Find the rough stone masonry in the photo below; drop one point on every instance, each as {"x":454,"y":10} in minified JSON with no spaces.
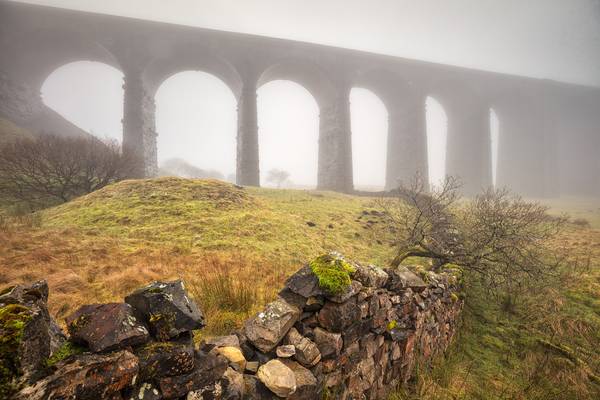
{"x":357,"y":342}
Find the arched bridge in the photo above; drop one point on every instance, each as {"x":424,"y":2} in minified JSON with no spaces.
{"x":549,"y":131}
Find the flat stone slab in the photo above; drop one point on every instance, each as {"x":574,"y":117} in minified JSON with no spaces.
{"x":106,"y":327}
{"x":269,"y":326}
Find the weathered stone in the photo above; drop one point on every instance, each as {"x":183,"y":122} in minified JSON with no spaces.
{"x":254,"y":389}
{"x":336,"y":317}
{"x":329,"y":344}
{"x":268,"y":327}
{"x":352,"y":290}
{"x":234,"y":355}
{"x":252,"y":366}
{"x":233,"y":385}
{"x":306,"y":383}
{"x":292,"y":298}
{"x":305,"y":283}
{"x":370,"y":275}
{"x":160,"y":359}
{"x":222,"y":341}
{"x":106,"y":327}
{"x":166,"y":308}
{"x":307,"y":353}
{"x":30,"y":335}
{"x":402,"y":278}
{"x":314,"y":303}
{"x":87,"y":376}
{"x":209,"y":369}
{"x":144,"y":391}
{"x":285,"y":351}
{"x":279,"y":378}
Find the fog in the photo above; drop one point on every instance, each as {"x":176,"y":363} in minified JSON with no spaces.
{"x":196,"y":112}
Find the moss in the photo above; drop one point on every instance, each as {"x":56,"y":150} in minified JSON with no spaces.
{"x":333,"y":273}
{"x":392,"y":324}
{"x":13,"y":320}
{"x":66,"y":350}
{"x":454,"y":297}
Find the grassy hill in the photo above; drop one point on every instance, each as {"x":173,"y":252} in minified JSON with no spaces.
{"x":235,"y":246}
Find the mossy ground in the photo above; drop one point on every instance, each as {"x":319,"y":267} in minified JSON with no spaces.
{"x":13,"y":319}
{"x":234,"y":248}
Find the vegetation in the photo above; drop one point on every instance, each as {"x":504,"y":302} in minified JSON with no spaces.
{"x":52,"y":169}
{"x":235,"y":247}
{"x":278,"y":177}
{"x":333,"y":273}
{"x":13,"y":319}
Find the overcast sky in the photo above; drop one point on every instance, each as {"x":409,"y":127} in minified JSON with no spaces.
{"x":553,"y":39}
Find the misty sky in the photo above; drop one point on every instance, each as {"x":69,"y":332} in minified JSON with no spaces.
{"x":553,"y":39}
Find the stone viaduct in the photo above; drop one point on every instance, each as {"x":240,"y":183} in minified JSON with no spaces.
{"x":549,"y":138}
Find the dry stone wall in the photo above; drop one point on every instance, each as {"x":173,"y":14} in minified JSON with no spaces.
{"x":337,"y":330}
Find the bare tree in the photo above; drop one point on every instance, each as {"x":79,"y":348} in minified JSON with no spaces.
{"x":57,"y":169}
{"x":499,"y":236}
{"x":278,"y":177}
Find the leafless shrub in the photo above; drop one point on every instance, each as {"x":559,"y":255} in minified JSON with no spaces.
{"x":499,"y":237}
{"x":581,"y":222}
{"x":52,"y":169}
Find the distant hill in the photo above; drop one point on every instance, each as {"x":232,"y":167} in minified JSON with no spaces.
{"x":183,"y":169}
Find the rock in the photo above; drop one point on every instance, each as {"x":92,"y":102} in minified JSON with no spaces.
{"x":87,"y":376}
{"x":210,"y":368}
{"x":307,"y":352}
{"x":336,"y":317}
{"x":401,"y":278}
{"x":233,"y":385}
{"x":306,"y":383}
{"x":234,"y":355}
{"x":370,"y":275}
{"x":279,"y":378}
{"x":305,"y":283}
{"x":292,"y":298}
{"x":350,"y":291}
{"x":285,"y":351}
{"x":254,"y":389}
{"x":160,"y":359}
{"x":329,"y":344}
{"x":166,"y":308}
{"x":106,"y":327}
{"x":268,"y":327}
{"x":144,"y":391}
{"x":29,"y":334}
{"x":252,"y":366}
{"x":314,"y":303}
{"x":222,"y":341}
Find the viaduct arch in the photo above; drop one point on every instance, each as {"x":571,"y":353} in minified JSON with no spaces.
{"x":549,"y":131}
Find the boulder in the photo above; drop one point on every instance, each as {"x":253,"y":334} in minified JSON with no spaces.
{"x":252,"y":366}
{"x":87,"y":376}
{"x":370,"y":275}
{"x":306,"y":383}
{"x":222,"y":341}
{"x":254,"y":389}
{"x":234,"y":356}
{"x":279,"y":378}
{"x":336,"y":317}
{"x":268,"y":327}
{"x":209,"y":370}
{"x":229,"y":387}
{"x":329,"y":344}
{"x":307,"y":353}
{"x":106,"y":327}
{"x":166,"y":308}
{"x":160,"y":359}
{"x":352,"y":290}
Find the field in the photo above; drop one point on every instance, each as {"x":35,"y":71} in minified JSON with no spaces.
{"x":234,"y":247}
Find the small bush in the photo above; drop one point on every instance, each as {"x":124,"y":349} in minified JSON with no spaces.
{"x":581,"y":222}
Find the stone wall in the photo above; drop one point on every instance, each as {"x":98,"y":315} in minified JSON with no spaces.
{"x":338,"y":330}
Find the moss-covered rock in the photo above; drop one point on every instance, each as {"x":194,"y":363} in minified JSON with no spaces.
{"x":333,"y":273}
{"x":67,"y":350}
{"x":13,"y":320}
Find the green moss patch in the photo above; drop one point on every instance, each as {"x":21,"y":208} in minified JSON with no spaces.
{"x":66,"y":350}
{"x":13,"y":319}
{"x":333,"y":273}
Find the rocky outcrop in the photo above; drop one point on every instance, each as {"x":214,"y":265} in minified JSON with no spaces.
{"x":338,"y":328}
